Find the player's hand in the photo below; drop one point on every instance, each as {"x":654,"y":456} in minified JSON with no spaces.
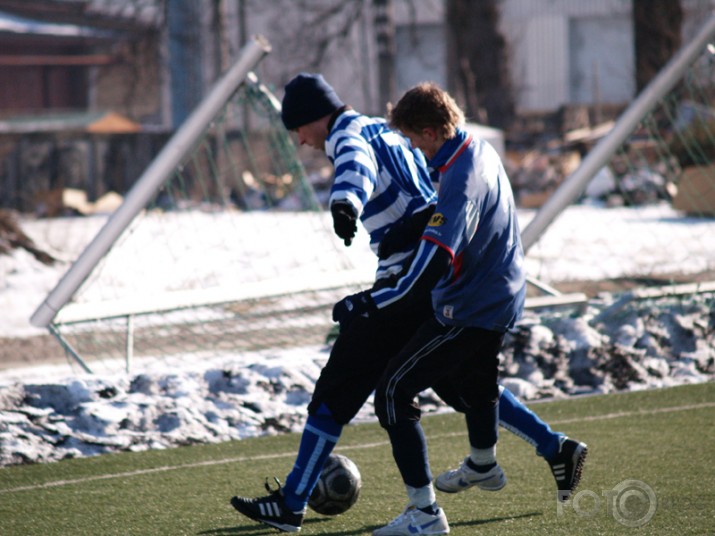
{"x":344,"y":221}
{"x":351,"y":306}
{"x":404,"y":234}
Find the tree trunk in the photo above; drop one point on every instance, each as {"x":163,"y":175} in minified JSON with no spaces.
{"x":385,"y":30}
{"x":657,"y":33}
{"x":479,"y":62}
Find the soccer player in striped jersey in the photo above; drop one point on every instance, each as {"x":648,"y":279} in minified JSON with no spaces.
{"x":384,"y":182}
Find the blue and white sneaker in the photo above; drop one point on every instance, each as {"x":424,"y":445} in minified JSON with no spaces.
{"x":414,"y":521}
{"x":464,"y":477}
{"x":567,"y":466}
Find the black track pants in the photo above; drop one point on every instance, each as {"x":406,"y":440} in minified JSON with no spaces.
{"x":460,"y":364}
{"x":359,"y":357}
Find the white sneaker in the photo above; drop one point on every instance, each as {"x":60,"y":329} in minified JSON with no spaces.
{"x":414,"y":521}
{"x":464,"y":477}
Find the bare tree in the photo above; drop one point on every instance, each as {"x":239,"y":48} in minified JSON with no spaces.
{"x":317,"y":28}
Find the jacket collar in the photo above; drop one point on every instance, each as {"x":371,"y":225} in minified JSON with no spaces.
{"x":449,"y":152}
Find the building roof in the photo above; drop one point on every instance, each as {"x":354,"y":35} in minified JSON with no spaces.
{"x":16,"y":25}
{"x":103,"y":122}
{"x":73,"y":19}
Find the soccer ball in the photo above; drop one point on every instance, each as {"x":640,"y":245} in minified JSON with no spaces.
{"x":338,"y":486}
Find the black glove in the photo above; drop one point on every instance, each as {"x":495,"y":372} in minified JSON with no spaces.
{"x":344,"y":221}
{"x":404,"y":234}
{"x":351,"y":306}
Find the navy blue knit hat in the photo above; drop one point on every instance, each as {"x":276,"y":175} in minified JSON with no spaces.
{"x":307,"y":98}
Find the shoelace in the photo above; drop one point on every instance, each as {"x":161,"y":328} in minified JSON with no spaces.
{"x":268,"y":487}
{"x":461,"y":470}
{"x":408,"y":513}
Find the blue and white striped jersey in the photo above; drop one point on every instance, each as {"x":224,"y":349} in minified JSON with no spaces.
{"x":475,"y":222}
{"x":380,"y":175}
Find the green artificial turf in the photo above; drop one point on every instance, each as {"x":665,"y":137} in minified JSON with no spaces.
{"x":663,"y":439}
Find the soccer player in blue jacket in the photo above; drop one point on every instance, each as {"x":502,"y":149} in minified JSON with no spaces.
{"x":384,"y":182}
{"x":471,"y":258}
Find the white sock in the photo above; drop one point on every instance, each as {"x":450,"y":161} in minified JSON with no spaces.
{"x":484,"y":456}
{"x":421,"y":497}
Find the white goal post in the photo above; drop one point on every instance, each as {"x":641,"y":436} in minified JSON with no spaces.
{"x":151,"y":180}
{"x":599,"y":156}
{"x":220,"y":247}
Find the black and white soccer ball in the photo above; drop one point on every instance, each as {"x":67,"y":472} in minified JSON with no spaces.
{"x":338,"y":487}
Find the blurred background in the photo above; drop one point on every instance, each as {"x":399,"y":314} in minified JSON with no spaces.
{"x":91,"y":92}
{"x":91,"y":89}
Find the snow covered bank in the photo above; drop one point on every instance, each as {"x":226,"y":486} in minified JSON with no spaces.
{"x":45,"y":416}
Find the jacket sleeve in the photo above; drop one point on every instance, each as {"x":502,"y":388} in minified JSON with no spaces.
{"x":430,"y":264}
{"x":355,"y":172}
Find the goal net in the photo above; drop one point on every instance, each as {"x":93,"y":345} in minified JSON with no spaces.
{"x":632,"y":228}
{"x":224,"y":249}
{"x":639,"y":210}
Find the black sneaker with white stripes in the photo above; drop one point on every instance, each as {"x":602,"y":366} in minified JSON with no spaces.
{"x":270,"y":510}
{"x":567,"y":466}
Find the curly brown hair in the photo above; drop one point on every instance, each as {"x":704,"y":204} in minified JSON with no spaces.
{"x":426,"y":106}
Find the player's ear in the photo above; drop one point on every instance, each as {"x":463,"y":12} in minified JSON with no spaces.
{"x":429,"y":133}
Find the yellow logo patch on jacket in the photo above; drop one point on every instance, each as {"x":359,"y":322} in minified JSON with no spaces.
{"x":437,"y":219}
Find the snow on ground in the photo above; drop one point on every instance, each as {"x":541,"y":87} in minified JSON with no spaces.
{"x":49,"y":412}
